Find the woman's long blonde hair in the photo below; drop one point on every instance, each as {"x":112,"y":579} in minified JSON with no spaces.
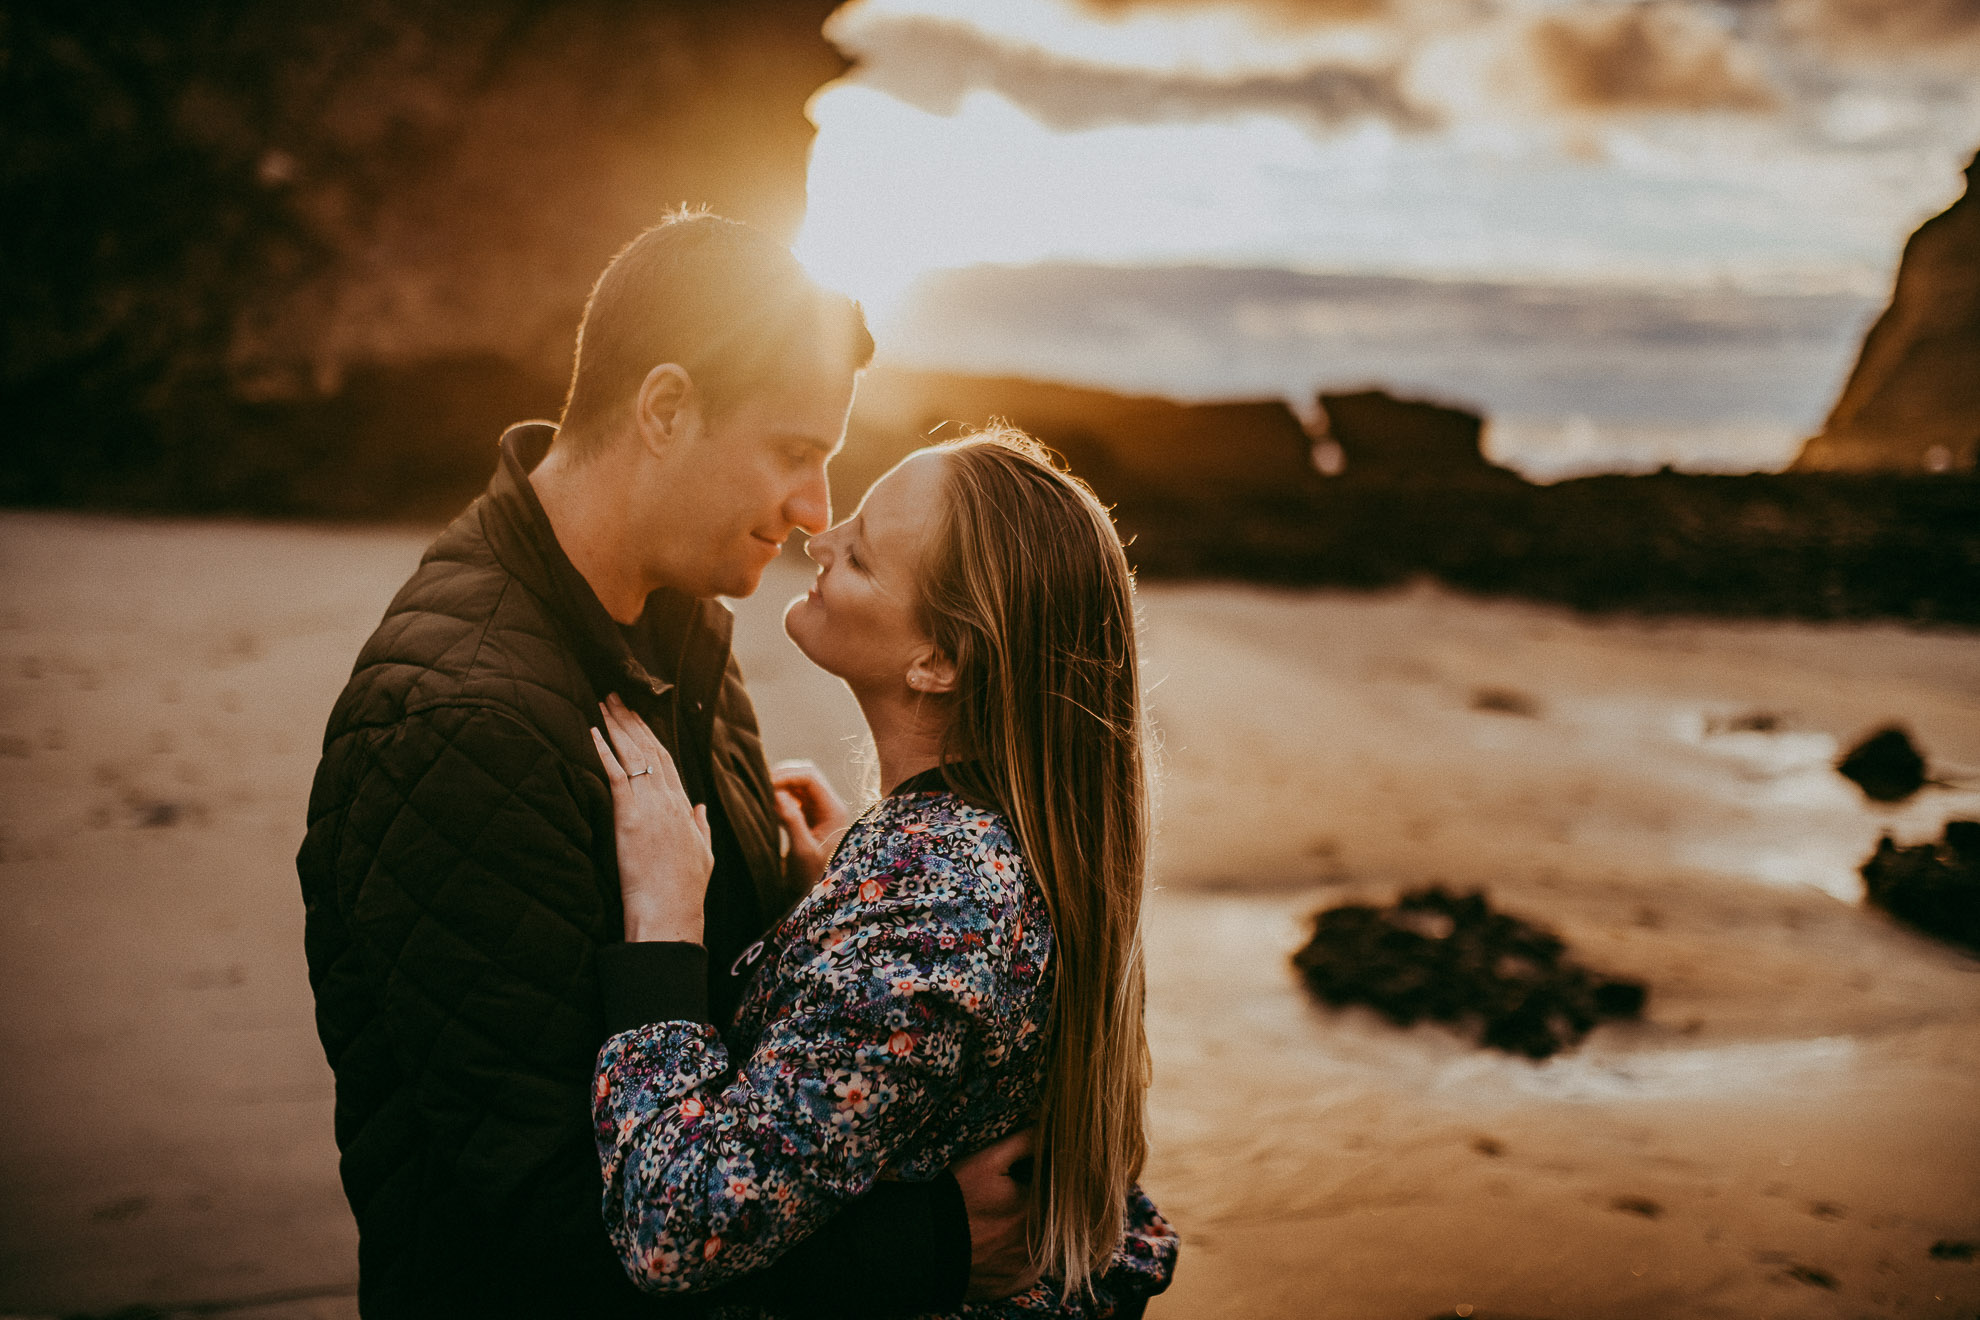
{"x":1029,"y":593}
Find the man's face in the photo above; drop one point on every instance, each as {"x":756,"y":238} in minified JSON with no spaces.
{"x":747,"y":478}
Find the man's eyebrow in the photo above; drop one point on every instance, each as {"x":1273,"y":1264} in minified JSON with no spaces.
{"x":808,"y":441}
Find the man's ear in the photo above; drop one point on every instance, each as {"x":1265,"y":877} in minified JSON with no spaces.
{"x":932,"y":672}
{"x":667,"y":408}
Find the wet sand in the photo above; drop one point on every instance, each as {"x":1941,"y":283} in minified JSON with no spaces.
{"x":1787,"y":1134}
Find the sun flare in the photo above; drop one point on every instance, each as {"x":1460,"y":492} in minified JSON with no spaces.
{"x":897,"y":192}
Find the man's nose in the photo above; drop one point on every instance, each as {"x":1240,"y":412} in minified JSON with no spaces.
{"x":810,"y":506}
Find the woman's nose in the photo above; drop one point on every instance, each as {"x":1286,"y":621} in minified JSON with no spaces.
{"x":818,"y":549}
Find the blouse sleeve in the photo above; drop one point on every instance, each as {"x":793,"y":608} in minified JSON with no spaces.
{"x":1142,"y":1266}
{"x":714,"y":1168}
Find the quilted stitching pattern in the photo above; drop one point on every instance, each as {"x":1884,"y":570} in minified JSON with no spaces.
{"x":458,"y":876}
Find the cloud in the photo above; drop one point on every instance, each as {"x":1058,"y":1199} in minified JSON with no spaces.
{"x":1657,"y":57}
{"x":1298,"y":12}
{"x":1936,"y":28}
{"x":933,"y":62}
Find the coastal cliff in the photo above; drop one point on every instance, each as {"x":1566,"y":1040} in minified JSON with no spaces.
{"x":1127,"y":447}
{"x":312,"y":258}
{"x":1913,"y":402}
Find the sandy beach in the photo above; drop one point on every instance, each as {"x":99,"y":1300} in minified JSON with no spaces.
{"x":1789,"y":1132}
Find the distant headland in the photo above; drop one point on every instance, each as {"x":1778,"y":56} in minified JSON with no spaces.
{"x":319,"y":288}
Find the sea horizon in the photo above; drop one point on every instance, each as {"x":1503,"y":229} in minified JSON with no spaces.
{"x":1573,"y":379}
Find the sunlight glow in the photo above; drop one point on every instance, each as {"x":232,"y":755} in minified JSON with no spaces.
{"x":897,"y":192}
{"x":1500,"y":186}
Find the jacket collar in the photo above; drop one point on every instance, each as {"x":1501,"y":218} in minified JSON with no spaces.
{"x":685,"y":635}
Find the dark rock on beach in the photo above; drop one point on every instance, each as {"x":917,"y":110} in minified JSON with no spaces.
{"x":1885,"y":765}
{"x":1934,"y":887}
{"x":1442,"y":957}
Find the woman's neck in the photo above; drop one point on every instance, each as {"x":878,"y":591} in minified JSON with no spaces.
{"x":907,"y":734}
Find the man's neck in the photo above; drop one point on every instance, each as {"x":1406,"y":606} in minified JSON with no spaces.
{"x":585,"y":503}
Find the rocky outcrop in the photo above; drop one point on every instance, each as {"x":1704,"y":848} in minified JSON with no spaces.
{"x":1128,"y":448}
{"x":1441,"y":957}
{"x":1887,"y":765}
{"x":1913,"y":402}
{"x":1231,"y":490}
{"x":1380,"y":436}
{"x":1933,"y":887}
{"x":222,"y":212}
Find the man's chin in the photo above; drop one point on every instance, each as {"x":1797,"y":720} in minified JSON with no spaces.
{"x":742,"y":585}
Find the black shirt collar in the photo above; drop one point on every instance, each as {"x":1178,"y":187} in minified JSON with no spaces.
{"x":934,"y":780}
{"x":930,"y":780}
{"x":677,"y":636}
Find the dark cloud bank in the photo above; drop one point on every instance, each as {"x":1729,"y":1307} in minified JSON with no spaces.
{"x":932,"y":63}
{"x":1647,"y":57}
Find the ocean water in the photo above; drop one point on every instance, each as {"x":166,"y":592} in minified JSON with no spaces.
{"x":1573,"y":379}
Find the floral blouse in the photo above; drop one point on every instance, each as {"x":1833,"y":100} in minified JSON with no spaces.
{"x":897,"y":1022}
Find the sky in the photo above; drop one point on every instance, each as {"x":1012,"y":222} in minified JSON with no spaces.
{"x":1735,"y":163}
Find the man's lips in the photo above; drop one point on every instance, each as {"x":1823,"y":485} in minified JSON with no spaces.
{"x":775,"y":547}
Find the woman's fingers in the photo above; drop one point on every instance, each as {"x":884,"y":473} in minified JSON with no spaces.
{"x":631,"y":739}
{"x":786,"y":773}
{"x":814,"y":794}
{"x":615,"y":773}
{"x":637,"y":743}
{"x":701,"y":823}
{"x":620,"y":739}
{"x":792,"y":814}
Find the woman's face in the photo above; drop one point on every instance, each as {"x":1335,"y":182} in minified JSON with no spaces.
{"x":861,"y":620}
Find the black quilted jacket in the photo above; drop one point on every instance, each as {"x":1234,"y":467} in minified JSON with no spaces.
{"x":462,"y":894}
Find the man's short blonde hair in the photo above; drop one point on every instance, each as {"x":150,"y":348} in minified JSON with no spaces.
{"x":724,"y":301}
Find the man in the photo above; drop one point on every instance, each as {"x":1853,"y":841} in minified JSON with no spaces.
{"x":459,"y":874}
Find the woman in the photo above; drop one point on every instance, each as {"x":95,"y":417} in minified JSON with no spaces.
{"x":971,"y":962}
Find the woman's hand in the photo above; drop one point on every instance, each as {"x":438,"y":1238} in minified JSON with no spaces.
{"x":665,"y":851}
{"x":813,"y":814}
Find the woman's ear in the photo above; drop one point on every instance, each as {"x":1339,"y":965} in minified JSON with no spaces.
{"x":667,"y":407}
{"x":931,"y":672}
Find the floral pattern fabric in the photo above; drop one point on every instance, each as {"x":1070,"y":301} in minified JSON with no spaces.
{"x":896,"y":1022}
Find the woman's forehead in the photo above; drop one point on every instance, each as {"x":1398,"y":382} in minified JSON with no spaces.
{"x":900,"y":508}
